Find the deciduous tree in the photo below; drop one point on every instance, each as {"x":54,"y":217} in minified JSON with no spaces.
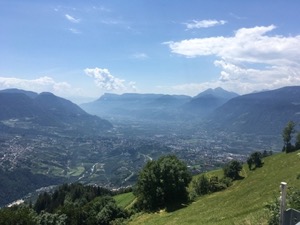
{"x":162,"y":182}
{"x":287,"y":136}
{"x":232,"y":169}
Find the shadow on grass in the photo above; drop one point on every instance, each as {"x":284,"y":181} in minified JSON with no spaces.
{"x":176,"y":206}
{"x":240,"y":178}
{"x":257,"y":166}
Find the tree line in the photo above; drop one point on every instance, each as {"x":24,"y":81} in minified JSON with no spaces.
{"x":70,"y":204}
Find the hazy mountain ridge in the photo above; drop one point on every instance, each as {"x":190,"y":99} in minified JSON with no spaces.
{"x":207,"y":101}
{"x":45,"y":109}
{"x":263,"y":112}
{"x":158,"y":106}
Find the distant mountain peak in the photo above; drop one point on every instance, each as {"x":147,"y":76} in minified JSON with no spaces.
{"x":217,"y":92}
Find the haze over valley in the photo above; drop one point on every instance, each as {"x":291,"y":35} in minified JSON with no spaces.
{"x":52,"y":140}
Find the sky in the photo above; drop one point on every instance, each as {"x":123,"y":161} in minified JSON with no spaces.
{"x":81,"y":49}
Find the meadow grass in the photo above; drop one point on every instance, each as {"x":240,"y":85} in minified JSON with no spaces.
{"x":242,"y":203}
{"x":124,"y":200}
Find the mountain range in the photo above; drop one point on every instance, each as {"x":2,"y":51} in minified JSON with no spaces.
{"x":26,"y":109}
{"x":265,"y":112}
{"x":158,"y":107}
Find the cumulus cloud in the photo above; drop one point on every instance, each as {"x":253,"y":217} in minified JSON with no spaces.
{"x":106,"y":81}
{"x":72,"y":19}
{"x":251,"y":59}
{"x":196,"y":24}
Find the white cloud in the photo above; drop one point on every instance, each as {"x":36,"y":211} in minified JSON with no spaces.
{"x":250,"y":59}
{"x":106,"y":81}
{"x":72,"y":19}
{"x":196,"y":24}
{"x":40,"y":84}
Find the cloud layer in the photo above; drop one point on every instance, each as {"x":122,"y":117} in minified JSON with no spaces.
{"x":250,"y":59}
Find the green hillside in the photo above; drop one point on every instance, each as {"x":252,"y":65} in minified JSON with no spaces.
{"x":242,"y":203}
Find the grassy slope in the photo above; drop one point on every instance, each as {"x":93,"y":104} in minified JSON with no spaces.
{"x":124,"y":200}
{"x":242,"y":203}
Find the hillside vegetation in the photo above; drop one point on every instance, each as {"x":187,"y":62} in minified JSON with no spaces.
{"x":242,"y":203}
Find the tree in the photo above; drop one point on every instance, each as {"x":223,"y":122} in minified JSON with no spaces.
{"x":255,"y":159}
{"x":250,"y":162}
{"x":162,"y":182}
{"x":215,"y":185}
{"x":232,"y":169}
{"x":201,"y":185}
{"x":287,"y":136}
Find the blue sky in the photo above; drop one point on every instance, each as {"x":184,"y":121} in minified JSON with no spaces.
{"x":81,"y":49}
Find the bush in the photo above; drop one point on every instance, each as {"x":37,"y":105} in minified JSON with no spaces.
{"x":293,"y":201}
{"x":232,"y":169}
{"x":202,"y":185}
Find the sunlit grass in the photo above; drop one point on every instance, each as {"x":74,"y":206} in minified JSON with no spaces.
{"x":242,"y":203}
{"x":124,"y":200}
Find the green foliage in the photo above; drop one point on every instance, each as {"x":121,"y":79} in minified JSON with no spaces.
{"x":293,"y":201}
{"x":215,"y":185}
{"x":274,"y":212}
{"x":287,"y":133}
{"x":243,"y":203}
{"x":46,"y":218}
{"x":232,"y":169}
{"x":75,"y":193}
{"x":17,"y":215}
{"x":297,"y":144}
{"x":162,"y":182}
{"x":76,"y":204}
{"x":203,"y":185}
{"x":102,"y":210}
{"x":294,"y":198}
{"x":255,"y":159}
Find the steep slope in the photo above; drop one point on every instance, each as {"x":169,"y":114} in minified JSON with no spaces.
{"x":242,"y":203}
{"x":17,"y":105}
{"x":28,"y":110}
{"x":264,"y":112}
